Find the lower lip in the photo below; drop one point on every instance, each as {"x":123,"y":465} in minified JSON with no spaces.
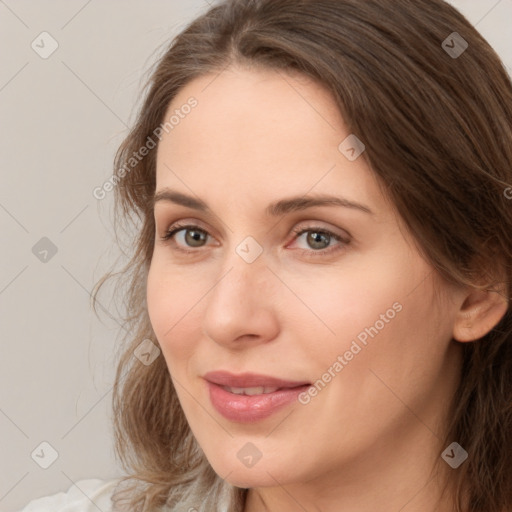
{"x":248,"y":409}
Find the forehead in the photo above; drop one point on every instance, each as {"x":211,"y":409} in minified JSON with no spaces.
{"x":258,"y":132}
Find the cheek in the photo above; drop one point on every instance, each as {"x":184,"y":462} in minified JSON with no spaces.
{"x":377,"y":314}
{"x":171,"y":300}
{"x":341,"y":305}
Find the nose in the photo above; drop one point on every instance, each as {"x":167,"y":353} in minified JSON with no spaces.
{"x":240,"y":309}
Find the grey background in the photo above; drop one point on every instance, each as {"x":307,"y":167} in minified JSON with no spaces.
{"x":62,"y":119}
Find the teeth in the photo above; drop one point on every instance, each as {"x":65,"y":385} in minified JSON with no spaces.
{"x":260,"y":390}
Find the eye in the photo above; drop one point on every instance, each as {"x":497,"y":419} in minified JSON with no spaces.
{"x":195,"y":239}
{"x":318,"y":239}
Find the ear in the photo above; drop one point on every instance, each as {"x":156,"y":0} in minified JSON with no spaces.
{"x":479,"y":313}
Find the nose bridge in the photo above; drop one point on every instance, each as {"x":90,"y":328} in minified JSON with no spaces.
{"x":240,"y":302}
{"x":243,"y":263}
{"x":241,"y":275}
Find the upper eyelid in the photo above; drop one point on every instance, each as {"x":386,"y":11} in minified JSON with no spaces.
{"x":293,"y":215}
{"x":181,"y":225}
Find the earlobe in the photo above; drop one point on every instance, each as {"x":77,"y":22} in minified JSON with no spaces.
{"x":480,"y":312}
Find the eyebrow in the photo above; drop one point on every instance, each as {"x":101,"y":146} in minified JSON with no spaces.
{"x":281,"y":207}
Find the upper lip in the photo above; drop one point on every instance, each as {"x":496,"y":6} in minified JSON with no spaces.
{"x":248,"y":380}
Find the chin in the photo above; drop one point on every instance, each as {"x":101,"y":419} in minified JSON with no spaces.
{"x":247,"y":478}
{"x":264,"y":473}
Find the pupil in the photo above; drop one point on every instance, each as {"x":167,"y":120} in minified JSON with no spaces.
{"x":316,"y":237}
{"x":195,"y":237}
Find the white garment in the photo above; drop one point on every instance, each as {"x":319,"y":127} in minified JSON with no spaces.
{"x":89,"y":495}
{"x":86,"y":496}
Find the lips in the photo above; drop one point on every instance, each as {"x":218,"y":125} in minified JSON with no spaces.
{"x":250,"y":380}
{"x":250,"y":397}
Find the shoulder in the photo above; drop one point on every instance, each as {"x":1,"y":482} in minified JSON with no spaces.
{"x":84,"y":496}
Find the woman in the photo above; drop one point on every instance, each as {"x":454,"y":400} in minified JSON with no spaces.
{"x":318,"y":300}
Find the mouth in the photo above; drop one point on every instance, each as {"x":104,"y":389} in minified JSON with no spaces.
{"x":259,"y":390}
{"x":250,"y":397}
{"x":251,"y":381}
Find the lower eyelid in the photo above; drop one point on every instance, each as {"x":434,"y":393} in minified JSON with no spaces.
{"x":342,"y":241}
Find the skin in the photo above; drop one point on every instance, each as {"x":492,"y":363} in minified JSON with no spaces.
{"x":368,"y":440}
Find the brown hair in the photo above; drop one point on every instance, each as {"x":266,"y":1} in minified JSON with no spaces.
{"x":438,"y":134}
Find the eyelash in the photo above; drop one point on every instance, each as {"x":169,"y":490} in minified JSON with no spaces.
{"x":298,"y":232}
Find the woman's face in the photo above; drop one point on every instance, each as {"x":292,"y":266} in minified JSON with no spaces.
{"x":348,"y":306}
